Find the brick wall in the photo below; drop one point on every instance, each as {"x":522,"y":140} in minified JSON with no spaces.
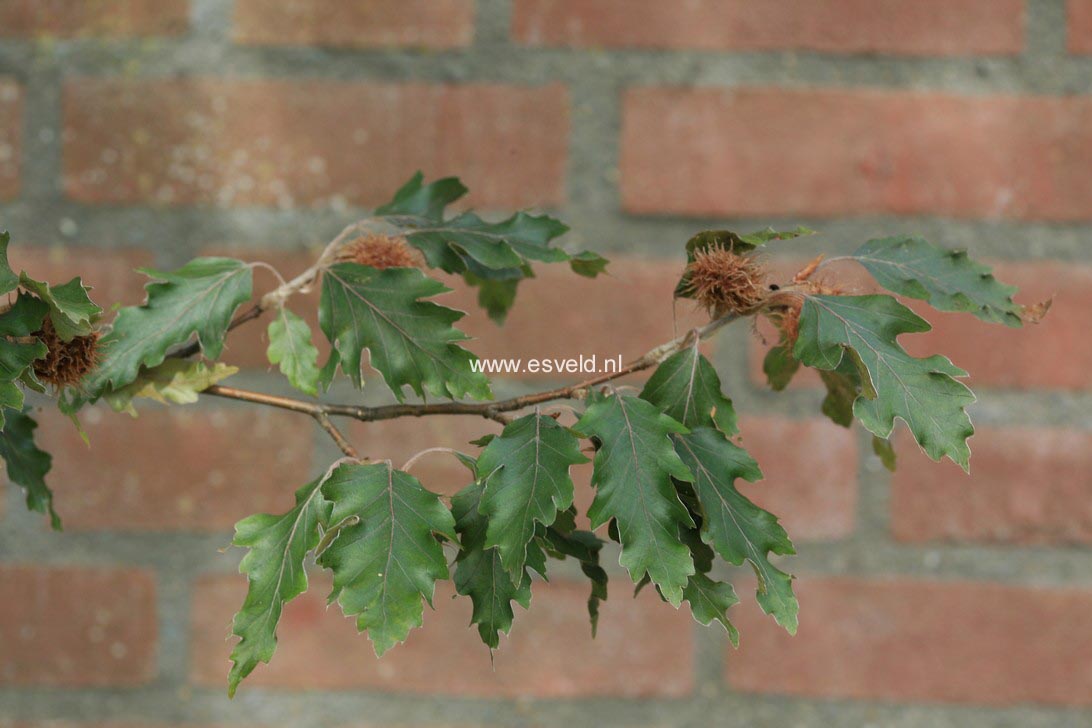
{"x":136,"y":132}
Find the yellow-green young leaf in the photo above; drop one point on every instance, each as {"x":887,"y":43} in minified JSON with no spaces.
{"x":710,"y":600}
{"x":411,"y":342}
{"x":921,"y":392}
{"x":734,"y":526}
{"x":26,"y":464}
{"x":176,"y":381}
{"x":290,"y":347}
{"x":632,"y":475}
{"x":686,"y":388}
{"x":780,"y":367}
{"x":198,"y":298}
{"x":71,"y":310}
{"x":480,"y":575}
{"x":275,"y":575}
{"x":388,"y":562}
{"x":525,"y":472}
{"x":948,"y":279}
{"x":17,"y":324}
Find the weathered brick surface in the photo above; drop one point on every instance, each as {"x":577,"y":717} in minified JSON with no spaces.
{"x":76,"y":626}
{"x":177,"y":469}
{"x":855,"y":152}
{"x":106,"y":18}
{"x":374,"y":24}
{"x":309,"y":142}
{"x":1027,"y":486}
{"x":1079,"y":18}
{"x":644,"y":648}
{"x":11,"y":136}
{"x":913,"y":640}
{"x":921,"y":28}
{"x":810,"y":469}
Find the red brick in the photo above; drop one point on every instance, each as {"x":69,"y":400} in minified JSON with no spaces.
{"x":811,"y":475}
{"x":921,"y":28}
{"x":829,"y":152}
{"x":309,"y":142}
{"x":377,"y":24}
{"x":11,"y":137}
{"x":1079,"y":20}
{"x":111,"y":274}
{"x":111,"y":18}
{"x":625,"y":313}
{"x":77,"y":627}
{"x":1054,"y":354}
{"x":176,"y":469}
{"x":1027,"y":486}
{"x":911,"y":640}
{"x":644,"y":648}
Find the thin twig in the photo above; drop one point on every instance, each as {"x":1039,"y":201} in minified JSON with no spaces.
{"x":346,"y":447}
{"x":489,"y":410}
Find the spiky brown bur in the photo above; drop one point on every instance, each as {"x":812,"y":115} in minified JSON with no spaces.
{"x":381,"y":251}
{"x":725,"y":282}
{"x":65,"y":362}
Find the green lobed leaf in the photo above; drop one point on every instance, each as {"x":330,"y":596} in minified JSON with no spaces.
{"x":27,"y":465}
{"x":387,"y":563}
{"x":525,"y":472}
{"x":921,"y":392}
{"x":584,"y":546}
{"x":495,"y":255}
{"x":9,"y":281}
{"x":588,"y":264}
{"x":710,"y":600}
{"x":686,"y":388}
{"x":275,"y":575}
{"x":947,"y":279}
{"x":198,"y":298}
{"x":495,"y":296}
{"x":290,"y":347}
{"x":21,"y":321}
{"x":177,"y":381}
{"x":885,"y":451}
{"x":71,"y":310}
{"x":411,"y":342}
{"x":734,"y":526}
{"x":779,"y":367}
{"x":415,"y":198}
{"x":479,"y":573}
{"x":633,"y":469}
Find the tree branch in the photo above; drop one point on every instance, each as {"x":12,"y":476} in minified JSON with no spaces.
{"x":489,"y":410}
